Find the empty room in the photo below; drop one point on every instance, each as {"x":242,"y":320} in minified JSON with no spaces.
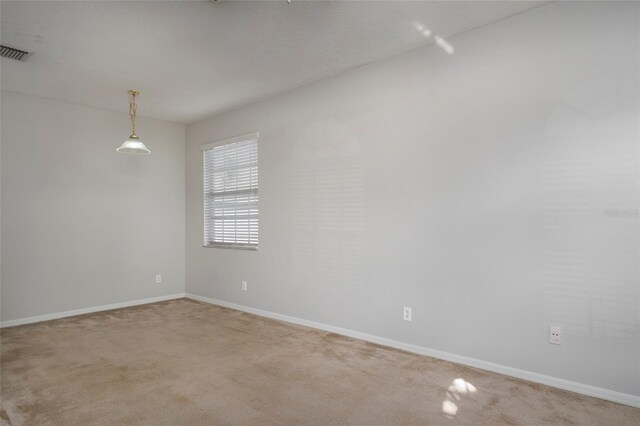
{"x":289,"y":212}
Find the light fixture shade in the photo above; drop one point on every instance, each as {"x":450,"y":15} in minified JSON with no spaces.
{"x":133,"y":145}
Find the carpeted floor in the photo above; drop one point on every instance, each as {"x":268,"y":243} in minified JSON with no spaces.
{"x":187,"y":363}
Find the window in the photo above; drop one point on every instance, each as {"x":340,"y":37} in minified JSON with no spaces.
{"x":231,"y":192}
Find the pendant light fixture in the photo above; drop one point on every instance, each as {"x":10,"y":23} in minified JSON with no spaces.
{"x":133,"y":145}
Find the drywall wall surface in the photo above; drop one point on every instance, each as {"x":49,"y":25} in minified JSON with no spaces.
{"x":494,"y":190}
{"x":82,"y":225}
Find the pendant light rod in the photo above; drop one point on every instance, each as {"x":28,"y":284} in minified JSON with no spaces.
{"x":132,"y":110}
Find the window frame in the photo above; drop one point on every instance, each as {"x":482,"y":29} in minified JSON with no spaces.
{"x":203,"y":148}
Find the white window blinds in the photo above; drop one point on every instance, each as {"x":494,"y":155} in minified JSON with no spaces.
{"x":231,"y":192}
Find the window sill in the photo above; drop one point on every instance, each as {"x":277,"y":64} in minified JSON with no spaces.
{"x":232,"y":246}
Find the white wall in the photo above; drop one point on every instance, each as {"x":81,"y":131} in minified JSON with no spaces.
{"x":84,"y":226}
{"x":476,"y":188}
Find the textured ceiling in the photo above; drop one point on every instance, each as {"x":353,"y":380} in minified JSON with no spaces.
{"x":192,"y":59}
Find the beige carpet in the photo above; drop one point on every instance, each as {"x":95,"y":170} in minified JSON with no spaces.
{"x":187,"y":363}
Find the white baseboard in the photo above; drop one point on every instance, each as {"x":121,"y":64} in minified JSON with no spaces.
{"x":555,"y":382}
{"x":75,"y":312}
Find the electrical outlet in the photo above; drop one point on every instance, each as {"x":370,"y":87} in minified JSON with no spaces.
{"x":244,"y":286}
{"x":158,"y":279}
{"x":406,"y":314}
{"x":555,"y":335}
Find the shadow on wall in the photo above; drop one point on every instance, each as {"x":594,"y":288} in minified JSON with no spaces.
{"x":590,"y":186}
{"x":327,"y":202}
{"x":327,"y":199}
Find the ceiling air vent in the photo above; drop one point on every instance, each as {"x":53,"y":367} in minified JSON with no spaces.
{"x":11,"y":53}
